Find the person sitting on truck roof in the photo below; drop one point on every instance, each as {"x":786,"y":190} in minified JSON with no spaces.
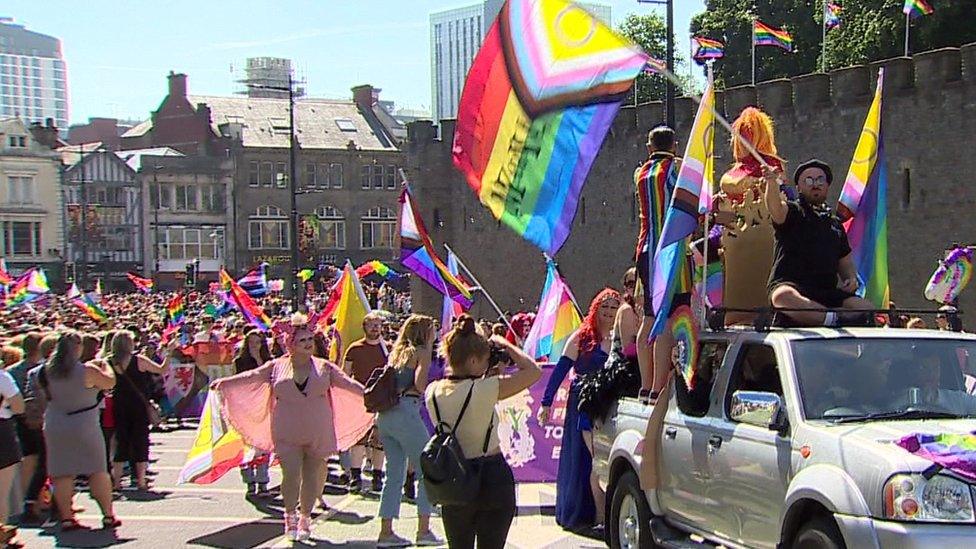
{"x":812,"y":263}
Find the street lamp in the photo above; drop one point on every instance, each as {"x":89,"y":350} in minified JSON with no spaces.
{"x":669,"y":58}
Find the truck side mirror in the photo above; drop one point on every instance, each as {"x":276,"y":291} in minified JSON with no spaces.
{"x":761,"y":409}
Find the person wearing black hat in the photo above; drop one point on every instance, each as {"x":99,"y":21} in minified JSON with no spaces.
{"x":812,"y":263}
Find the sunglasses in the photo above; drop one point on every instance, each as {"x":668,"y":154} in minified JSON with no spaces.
{"x":820,"y":180}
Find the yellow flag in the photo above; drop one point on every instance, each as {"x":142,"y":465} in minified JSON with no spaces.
{"x":349,"y":315}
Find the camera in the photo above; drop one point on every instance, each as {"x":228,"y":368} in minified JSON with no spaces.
{"x":496,"y":356}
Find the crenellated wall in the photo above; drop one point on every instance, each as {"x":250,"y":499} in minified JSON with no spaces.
{"x":930,"y":139}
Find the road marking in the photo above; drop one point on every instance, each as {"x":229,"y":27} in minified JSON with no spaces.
{"x":185,"y":518}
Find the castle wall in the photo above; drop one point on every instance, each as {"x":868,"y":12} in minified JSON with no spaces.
{"x":929,"y":123}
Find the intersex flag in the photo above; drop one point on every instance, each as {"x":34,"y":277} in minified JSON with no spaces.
{"x":86,"y":303}
{"x":537,"y":104}
{"x":557,"y":319}
{"x":691,"y":198}
{"x":218,"y":448}
{"x":144,"y":285}
{"x":450,"y":309}
{"x":255,"y":282}
{"x":417,"y":254}
{"x":350,"y":311}
{"x":863,"y":206}
{"x":243,"y":302}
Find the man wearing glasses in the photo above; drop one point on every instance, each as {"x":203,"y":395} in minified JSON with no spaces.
{"x":812,"y":264}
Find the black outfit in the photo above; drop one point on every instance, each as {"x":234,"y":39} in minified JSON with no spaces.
{"x":245,"y":362}
{"x":808,"y":248}
{"x":9,"y":445}
{"x":131,"y":418}
{"x":489,"y":514}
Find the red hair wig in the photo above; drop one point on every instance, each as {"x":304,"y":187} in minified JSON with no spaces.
{"x":589,"y":331}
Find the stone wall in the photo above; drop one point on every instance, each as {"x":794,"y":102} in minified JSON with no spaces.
{"x":929,"y":124}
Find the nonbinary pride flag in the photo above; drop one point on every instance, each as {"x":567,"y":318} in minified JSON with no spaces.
{"x":863,"y":205}
{"x":537,"y":104}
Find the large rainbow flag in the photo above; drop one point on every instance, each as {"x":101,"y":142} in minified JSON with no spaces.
{"x":243,"y":302}
{"x":417,"y":254}
{"x":863,"y":206}
{"x":557,"y":319}
{"x":218,"y":448}
{"x":691,"y":197}
{"x":537,"y":103}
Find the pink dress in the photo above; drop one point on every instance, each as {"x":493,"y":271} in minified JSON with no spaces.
{"x":266,"y":407}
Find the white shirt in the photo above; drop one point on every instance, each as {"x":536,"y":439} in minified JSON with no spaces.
{"x":8,"y":390}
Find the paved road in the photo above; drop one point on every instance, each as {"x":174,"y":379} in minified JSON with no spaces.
{"x":219,"y":515}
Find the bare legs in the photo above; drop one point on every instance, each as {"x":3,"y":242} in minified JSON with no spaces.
{"x":599,"y":496}
{"x":788,"y":297}
{"x":645,"y":354}
{"x":100,"y":485}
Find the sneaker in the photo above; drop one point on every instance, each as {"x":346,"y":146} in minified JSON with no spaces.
{"x":428,"y":539}
{"x":291,"y":526}
{"x":393,"y":541}
{"x":304,"y":528}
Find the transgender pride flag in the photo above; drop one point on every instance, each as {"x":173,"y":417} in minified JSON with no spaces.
{"x":556,"y":320}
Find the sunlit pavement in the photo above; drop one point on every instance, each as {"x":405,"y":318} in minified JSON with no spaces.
{"x":218,"y":515}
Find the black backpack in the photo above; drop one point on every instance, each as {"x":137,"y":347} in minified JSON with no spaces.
{"x":450,"y":478}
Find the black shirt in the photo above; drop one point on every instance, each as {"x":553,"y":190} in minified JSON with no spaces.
{"x":808,"y":247}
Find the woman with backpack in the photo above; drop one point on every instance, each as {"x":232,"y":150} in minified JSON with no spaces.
{"x":403,"y":432}
{"x":464,"y":402}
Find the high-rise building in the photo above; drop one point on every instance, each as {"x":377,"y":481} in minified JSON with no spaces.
{"x":33,"y":82}
{"x":269,"y":77}
{"x":455,"y":37}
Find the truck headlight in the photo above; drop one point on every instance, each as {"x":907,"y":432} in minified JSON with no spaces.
{"x":939,"y":499}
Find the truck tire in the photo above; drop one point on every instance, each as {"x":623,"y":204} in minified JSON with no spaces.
{"x":820,"y":532}
{"x":630,"y":516}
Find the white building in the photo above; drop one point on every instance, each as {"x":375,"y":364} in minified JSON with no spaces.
{"x":455,"y":37}
{"x":33,"y":82}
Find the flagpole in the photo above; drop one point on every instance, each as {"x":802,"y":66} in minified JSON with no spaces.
{"x":571,"y":296}
{"x":753,"y":52}
{"x":908,"y":21}
{"x":706,"y":181}
{"x":481,"y":288}
{"x":691,"y":57}
{"x":823,"y":40}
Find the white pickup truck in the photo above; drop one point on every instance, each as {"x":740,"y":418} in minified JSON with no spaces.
{"x":787,"y":440}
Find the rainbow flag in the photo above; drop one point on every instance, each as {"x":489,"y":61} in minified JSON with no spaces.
{"x":863,"y":206}
{"x":953,"y":451}
{"x":655,"y":66}
{"x":691,"y":197}
{"x":26,"y":288}
{"x":175,"y":312}
{"x":831,"y":15}
{"x":450,"y":309}
{"x":255,"y":282}
{"x":86,"y":303}
{"x":349,"y":313}
{"x":557,"y":319}
{"x":684,"y":329}
{"x":706,"y":48}
{"x":217,"y":449}
{"x":378,"y":267}
{"x":537,"y":104}
{"x":144,"y":285}
{"x":243,"y":302}
{"x":764,"y":35}
{"x":917,"y":8}
{"x":417,"y":254}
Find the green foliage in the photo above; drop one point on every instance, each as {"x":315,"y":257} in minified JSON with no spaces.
{"x":870,"y":30}
{"x":650,"y":32}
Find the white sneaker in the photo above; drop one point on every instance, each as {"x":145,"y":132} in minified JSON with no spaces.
{"x":429,"y":539}
{"x":393,"y":541}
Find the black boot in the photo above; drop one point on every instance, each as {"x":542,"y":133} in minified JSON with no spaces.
{"x":355,"y":480}
{"x":377,"y":481}
{"x":410,"y":487}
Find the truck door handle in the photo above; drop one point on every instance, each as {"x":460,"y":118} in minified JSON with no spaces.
{"x":671,"y":432}
{"x":714,"y":442}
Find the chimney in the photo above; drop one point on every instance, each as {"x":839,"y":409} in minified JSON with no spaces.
{"x":45,"y":135}
{"x":365,"y":96}
{"x":177,"y":84}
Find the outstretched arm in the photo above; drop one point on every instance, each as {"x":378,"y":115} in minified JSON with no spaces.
{"x":775,"y":201}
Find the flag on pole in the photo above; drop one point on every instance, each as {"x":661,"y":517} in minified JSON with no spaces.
{"x":255,"y":282}
{"x":831,"y":15}
{"x":917,"y":8}
{"x":85,"y":303}
{"x":765,"y":35}
{"x":655,"y":66}
{"x":350,"y":311}
{"x":243,"y":302}
{"x":378,"y":267}
{"x":538,"y":102}
{"x":26,"y":288}
{"x":691,"y":197}
{"x":557,"y":319}
{"x":417,"y":254}
{"x":450,"y":309}
{"x":175,"y":311}
{"x":863,"y":205}
{"x":217,"y":449}
{"x":706,"y":48}
{"x":144,"y":285}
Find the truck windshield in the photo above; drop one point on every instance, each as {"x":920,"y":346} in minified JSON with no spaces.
{"x":867,"y":379}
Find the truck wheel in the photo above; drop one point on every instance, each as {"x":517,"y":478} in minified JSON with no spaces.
{"x":821,"y":532}
{"x":630,"y":516}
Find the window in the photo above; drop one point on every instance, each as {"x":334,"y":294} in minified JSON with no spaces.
{"x":20,"y":190}
{"x":310,"y":175}
{"x":345,"y":124}
{"x":335,"y":176}
{"x":191,"y":242}
{"x":186,"y":198}
{"x":267,"y":174}
{"x":391,"y":177}
{"x":378,"y":228}
{"x":279,"y":125}
{"x":332,"y":229}
{"x":281,"y":175}
{"x":21,"y":238}
{"x":695,"y":403}
{"x":377,"y":177}
{"x":212,"y":198}
{"x":755,"y":370}
{"x":17,"y":141}
{"x":268,"y":229}
{"x":254,"y":173}
{"x":364,"y":172}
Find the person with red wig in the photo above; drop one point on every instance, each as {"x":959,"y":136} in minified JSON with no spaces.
{"x":579,"y":498}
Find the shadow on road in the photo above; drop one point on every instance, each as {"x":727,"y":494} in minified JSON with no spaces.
{"x":251,"y":534}
{"x":85,"y":538}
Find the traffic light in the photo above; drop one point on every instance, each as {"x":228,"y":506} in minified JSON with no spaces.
{"x":191,"y":275}
{"x":69,"y":272}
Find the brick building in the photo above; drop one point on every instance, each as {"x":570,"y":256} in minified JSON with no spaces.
{"x":929,"y":121}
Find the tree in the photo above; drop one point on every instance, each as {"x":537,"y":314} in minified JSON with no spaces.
{"x":650,"y":32}
{"x":870,"y":30}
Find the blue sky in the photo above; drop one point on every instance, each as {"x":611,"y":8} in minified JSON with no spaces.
{"x":118,"y":53}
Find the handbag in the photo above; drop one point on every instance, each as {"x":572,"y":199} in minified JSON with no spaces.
{"x":153,"y":412}
{"x":381,"y":390}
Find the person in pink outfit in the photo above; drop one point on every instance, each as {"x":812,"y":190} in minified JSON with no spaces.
{"x":303,"y":409}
